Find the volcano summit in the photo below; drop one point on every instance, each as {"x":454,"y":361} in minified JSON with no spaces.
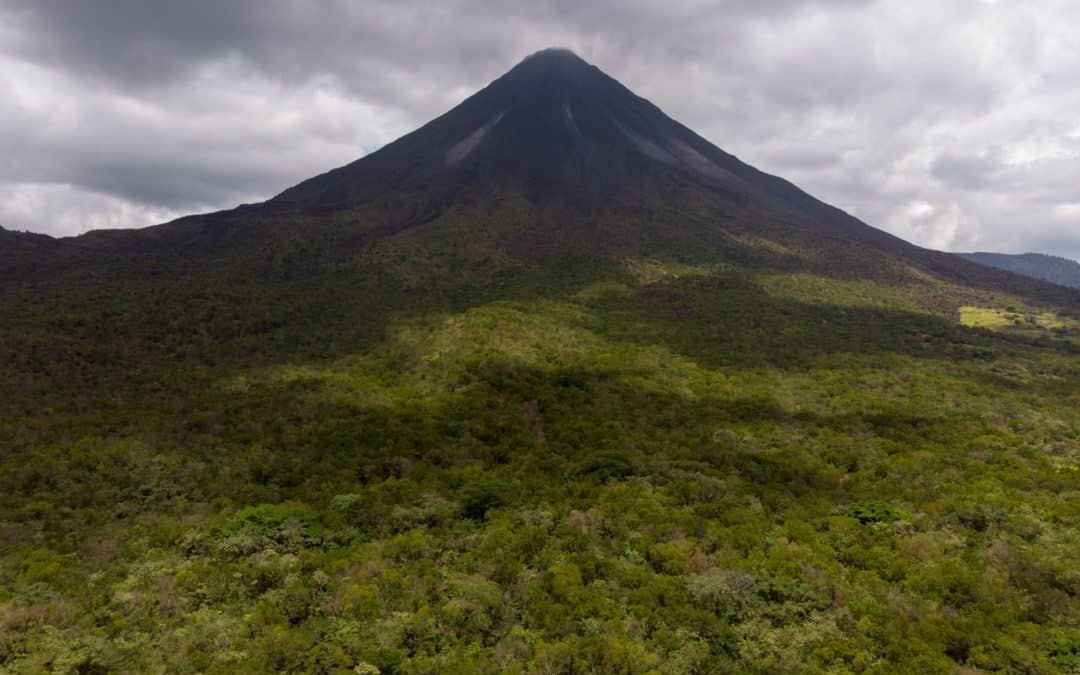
{"x":554,"y":125}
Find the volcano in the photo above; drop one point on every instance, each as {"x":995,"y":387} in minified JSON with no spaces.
{"x":559,"y":162}
{"x":561,"y":130}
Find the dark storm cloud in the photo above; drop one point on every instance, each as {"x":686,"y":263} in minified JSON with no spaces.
{"x":367,"y":45}
{"x":948,"y":123}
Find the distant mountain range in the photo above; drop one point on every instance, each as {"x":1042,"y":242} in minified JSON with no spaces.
{"x":1052,"y":268}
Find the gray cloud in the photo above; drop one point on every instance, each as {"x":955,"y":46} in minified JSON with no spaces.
{"x":968,"y":172}
{"x":951,"y":124}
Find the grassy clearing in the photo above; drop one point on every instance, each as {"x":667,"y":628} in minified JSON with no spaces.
{"x":1016,"y":319}
{"x":837,"y":292}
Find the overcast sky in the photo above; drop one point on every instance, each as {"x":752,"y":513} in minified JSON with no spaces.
{"x":952,"y":123}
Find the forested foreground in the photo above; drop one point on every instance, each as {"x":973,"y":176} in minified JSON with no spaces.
{"x":691,"y":473}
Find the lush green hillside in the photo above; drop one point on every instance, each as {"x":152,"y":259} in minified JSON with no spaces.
{"x":653,"y":467}
{"x":707,"y":424}
{"x":1036,"y":265}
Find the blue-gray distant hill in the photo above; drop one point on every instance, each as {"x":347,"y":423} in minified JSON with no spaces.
{"x":1050,"y":268}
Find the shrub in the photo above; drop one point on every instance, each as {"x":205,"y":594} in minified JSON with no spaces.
{"x":605,"y":465}
{"x":728,"y":593}
{"x":1063,"y":647}
{"x":479,"y":497}
{"x":286,"y":527}
{"x":875,"y":512}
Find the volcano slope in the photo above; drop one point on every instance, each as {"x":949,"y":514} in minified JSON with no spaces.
{"x":549,"y":385}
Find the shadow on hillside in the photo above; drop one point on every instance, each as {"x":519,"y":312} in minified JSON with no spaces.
{"x":570,"y":423}
{"x":732,"y":322}
{"x":86,"y":358}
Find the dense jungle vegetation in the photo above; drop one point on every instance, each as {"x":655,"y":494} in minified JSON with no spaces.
{"x":643,"y":467}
